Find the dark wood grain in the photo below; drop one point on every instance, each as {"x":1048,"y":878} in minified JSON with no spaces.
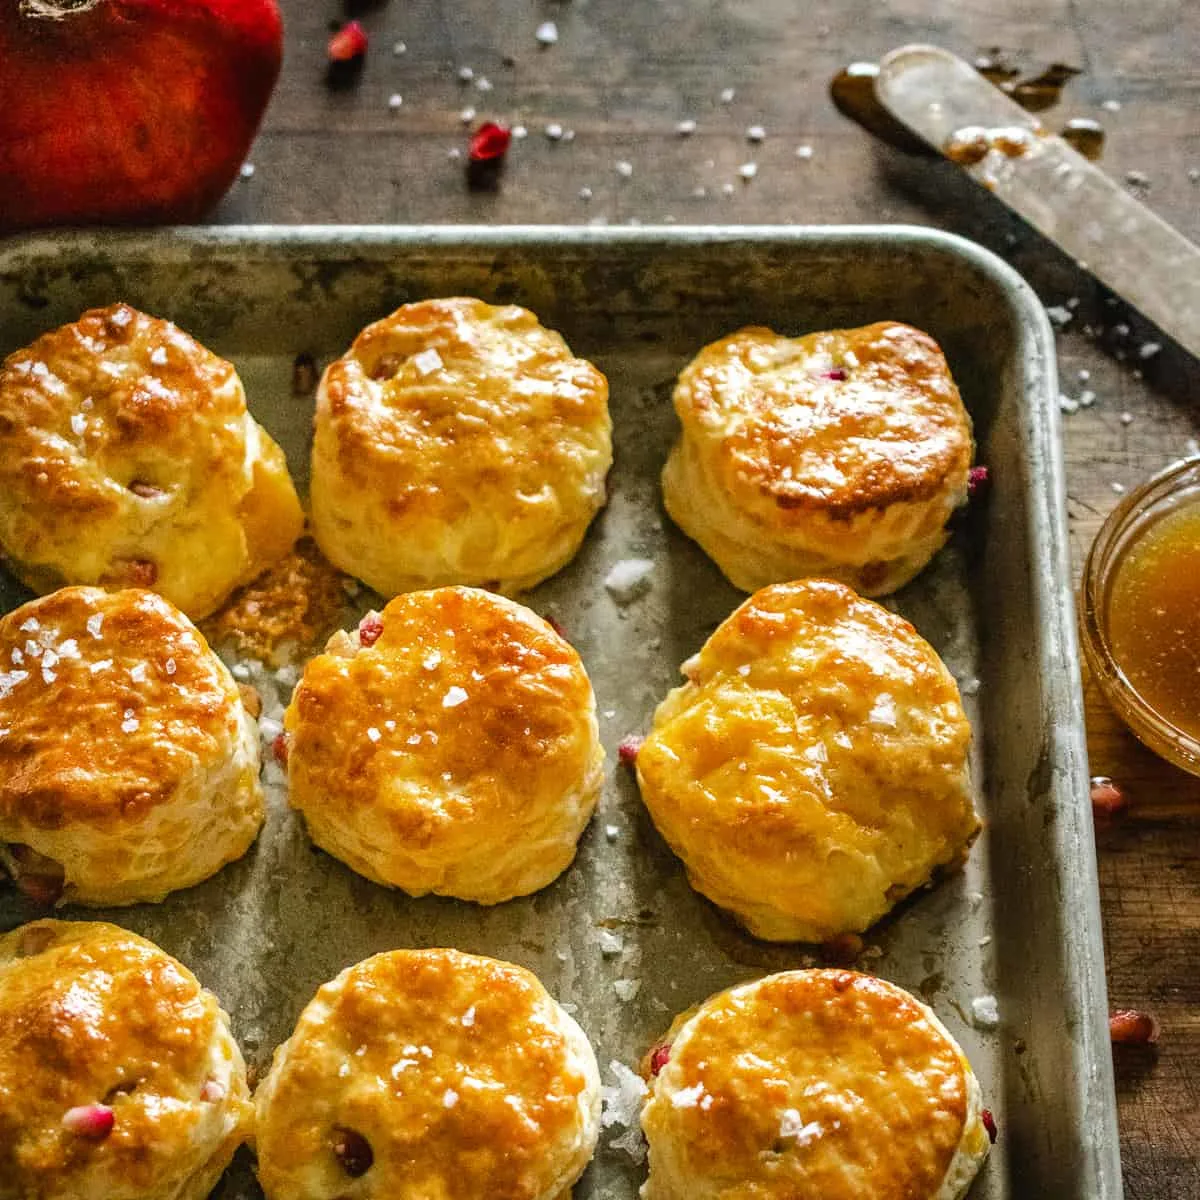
{"x":621,"y":76}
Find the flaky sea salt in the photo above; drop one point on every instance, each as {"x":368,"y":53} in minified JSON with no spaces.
{"x":685,"y":128}
{"x":454,"y":697}
{"x":985,"y":1012}
{"x":629,"y":579}
{"x":621,"y":1101}
{"x":547,"y":33}
{"x":427,"y":361}
{"x":627,"y":989}
{"x":610,"y":943}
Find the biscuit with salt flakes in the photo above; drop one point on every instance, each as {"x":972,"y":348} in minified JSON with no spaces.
{"x":841,"y":454}
{"x":458,"y":443}
{"x":128,"y":763}
{"x":119,"y":1077}
{"x":813,"y":769}
{"x":449,"y":745}
{"x":127,"y":458}
{"x":421,"y":1073}
{"x":818,"y":1084}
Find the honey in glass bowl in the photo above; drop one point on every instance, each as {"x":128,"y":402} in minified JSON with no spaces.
{"x":1141,"y":612}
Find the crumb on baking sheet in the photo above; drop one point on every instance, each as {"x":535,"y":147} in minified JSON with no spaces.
{"x":292,"y":606}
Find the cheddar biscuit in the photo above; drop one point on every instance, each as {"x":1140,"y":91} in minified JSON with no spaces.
{"x":421,"y":1073}
{"x":823,"y":1084}
{"x":841,"y":454}
{"x":812,"y":771}
{"x":128,"y":763}
{"x":119,"y":1076}
{"x":458,"y":443}
{"x":127,"y":458}
{"x":448,"y":745}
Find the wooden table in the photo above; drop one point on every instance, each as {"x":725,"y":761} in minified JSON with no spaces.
{"x":619,"y":79}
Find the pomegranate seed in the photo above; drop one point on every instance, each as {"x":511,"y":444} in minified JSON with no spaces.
{"x":1128,"y":1027}
{"x":348,"y":44}
{"x":370,"y":628}
{"x":1107,"y":799}
{"x":844,"y":948}
{"x":837,"y":375}
{"x":629,"y":747}
{"x":659,"y":1057}
{"x":353,"y":1151}
{"x":979,"y":480}
{"x":489,"y":142}
{"x":279,"y":747}
{"x":989,"y":1123}
{"x":91,"y":1121}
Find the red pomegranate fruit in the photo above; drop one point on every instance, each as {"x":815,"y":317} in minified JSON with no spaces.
{"x":129,"y":111}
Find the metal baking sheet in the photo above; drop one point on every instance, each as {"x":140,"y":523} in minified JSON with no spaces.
{"x":1021,"y":923}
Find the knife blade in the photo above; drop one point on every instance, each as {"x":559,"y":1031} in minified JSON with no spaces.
{"x":1048,"y":183}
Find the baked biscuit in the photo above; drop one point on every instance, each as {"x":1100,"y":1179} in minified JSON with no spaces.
{"x":813,"y":770}
{"x":449,"y":745}
{"x":827,"y":1085}
{"x":119,"y":1077}
{"x":840,"y":454}
{"x":127,"y":458}
{"x":422,"y":1073}
{"x":458,"y":443}
{"x":128,"y":764}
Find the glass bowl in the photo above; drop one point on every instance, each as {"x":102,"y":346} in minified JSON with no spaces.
{"x":1178,"y":485}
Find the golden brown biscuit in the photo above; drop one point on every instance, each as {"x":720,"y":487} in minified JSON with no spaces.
{"x":128,"y":764}
{"x":812,"y":1085}
{"x":840,"y":454}
{"x":813,"y":770}
{"x":448,"y":745}
{"x":127,"y":458}
{"x":423,"y":1073}
{"x":119,"y":1077}
{"x":458,"y":443}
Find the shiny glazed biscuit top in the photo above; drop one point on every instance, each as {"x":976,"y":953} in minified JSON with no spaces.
{"x":813,"y":1083}
{"x":842,"y":421}
{"x":452,"y":1069}
{"x":91,"y":1014}
{"x":458,"y":707}
{"x":107,"y":700}
{"x":482,"y":392}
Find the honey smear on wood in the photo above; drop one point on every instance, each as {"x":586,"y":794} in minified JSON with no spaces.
{"x":1154,"y":617}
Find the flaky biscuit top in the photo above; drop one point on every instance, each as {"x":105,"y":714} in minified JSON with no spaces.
{"x":453,"y":1068}
{"x":817,"y":1083}
{"x":107,"y":701}
{"x":840,"y":422}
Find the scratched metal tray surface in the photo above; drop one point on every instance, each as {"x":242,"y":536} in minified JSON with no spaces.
{"x":1021,"y":922}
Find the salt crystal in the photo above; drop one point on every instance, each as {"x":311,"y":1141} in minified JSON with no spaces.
{"x":17,"y":656}
{"x":970,"y":686}
{"x":748,"y":171}
{"x":585,"y":193}
{"x":685,"y":128}
{"x":1111,"y":105}
{"x":240,"y":672}
{"x":1087,"y":399}
{"x":468,"y":1018}
{"x":629,"y":579}
{"x":427,"y":361}
{"x":700,"y":191}
{"x":756,"y":133}
{"x":454,"y":697}
{"x":138,"y":673}
{"x":727,"y":96}
{"x":1121,"y":330}
{"x":792,"y":1127}
{"x":985,"y":1012}
{"x":627,"y":989}
{"x":1084,"y":375}
{"x":102,"y":665}
{"x":170,"y":666}
{"x":30,"y":626}
{"x":483,"y":84}
{"x":624,"y":169}
{"x":1067,"y":405}
{"x":399,"y":48}
{"x":130,"y":723}
{"x":611,"y":832}
{"x":1194,"y":174}
{"x":547,"y":33}
{"x":520,"y":132}
{"x":373,"y":733}
{"x":247,"y":171}
{"x":621,"y":1102}
{"x":805,"y":151}
{"x":554,"y":131}
{"x":78,"y":424}
{"x":465,"y":74}
{"x":1127,"y":418}
{"x":687,"y":1097}
{"x":432,"y":660}
{"x":449,"y":1098}
{"x":1119,"y":488}
{"x":1059,"y":315}
{"x":10,"y":679}
{"x":1149,"y":349}
{"x":727,"y":189}
{"x":395,"y":100}
{"x":610,"y":943}
{"x":467,"y":116}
